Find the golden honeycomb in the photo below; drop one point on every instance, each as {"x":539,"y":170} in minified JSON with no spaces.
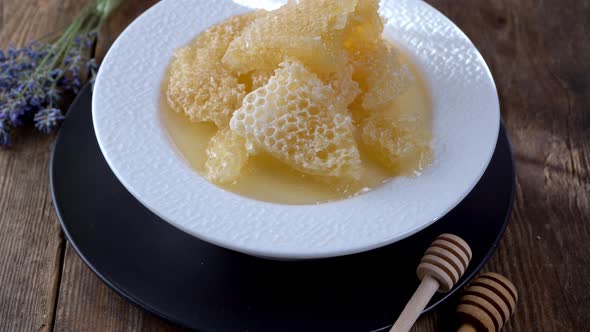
{"x":296,"y":118}
{"x":197,"y":85}
{"x":226,"y":156}
{"x":381,"y":76}
{"x":311,"y":31}
{"x":395,"y":140}
{"x":306,"y":83}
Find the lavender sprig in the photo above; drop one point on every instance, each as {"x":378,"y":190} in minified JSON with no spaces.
{"x":34,"y":78}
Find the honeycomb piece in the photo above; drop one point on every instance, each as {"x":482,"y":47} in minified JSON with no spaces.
{"x":217,"y":38}
{"x":226,"y":156}
{"x":299,"y":120}
{"x":364,"y":27}
{"x":260,"y":78}
{"x":311,"y":31}
{"x":381,"y":75}
{"x":395,"y":140}
{"x":357,"y":112}
{"x":197,"y":84}
{"x":346,"y":88}
{"x":202,"y":89}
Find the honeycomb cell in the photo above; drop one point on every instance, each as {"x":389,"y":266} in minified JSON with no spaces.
{"x":303,"y":124}
{"x":260,"y":78}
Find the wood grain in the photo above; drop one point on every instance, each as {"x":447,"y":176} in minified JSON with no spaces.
{"x":86,"y":304}
{"x":125,"y":14}
{"x":30,"y":240}
{"x":538,"y":52}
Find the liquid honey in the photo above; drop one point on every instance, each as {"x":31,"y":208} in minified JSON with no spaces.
{"x":267,"y":179}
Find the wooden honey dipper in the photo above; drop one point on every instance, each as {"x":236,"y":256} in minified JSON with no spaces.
{"x":442,"y":266}
{"x":488,"y":303}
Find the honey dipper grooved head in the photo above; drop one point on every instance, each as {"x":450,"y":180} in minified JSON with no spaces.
{"x":488,"y":302}
{"x":445,"y":260}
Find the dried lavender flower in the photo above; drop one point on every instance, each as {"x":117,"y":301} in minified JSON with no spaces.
{"x":46,"y":119}
{"x":35,"y":77}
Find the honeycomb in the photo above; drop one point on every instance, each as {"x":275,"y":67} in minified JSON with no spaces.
{"x":217,"y":38}
{"x":202,"y":90}
{"x":346,"y":88}
{"x":226,"y":156}
{"x":259,"y":78}
{"x":299,"y":120}
{"x":197,"y":85}
{"x":381,"y":75}
{"x":364,"y":27}
{"x":311,"y":31}
{"x":307,"y":84}
{"x":394,"y":140}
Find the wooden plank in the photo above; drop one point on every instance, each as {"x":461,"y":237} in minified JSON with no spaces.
{"x":538,"y":54}
{"x":125,"y":14}
{"x":85,"y":302}
{"x":31,"y":244}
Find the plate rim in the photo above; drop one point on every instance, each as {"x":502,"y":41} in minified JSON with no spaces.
{"x":301,"y":252}
{"x":465,"y":279}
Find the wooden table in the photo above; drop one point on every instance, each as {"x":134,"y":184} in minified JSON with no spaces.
{"x":539,"y":53}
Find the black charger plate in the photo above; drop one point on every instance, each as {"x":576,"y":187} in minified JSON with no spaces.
{"x":201,"y":286}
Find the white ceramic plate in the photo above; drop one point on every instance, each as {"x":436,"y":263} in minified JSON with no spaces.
{"x":127,"y":121}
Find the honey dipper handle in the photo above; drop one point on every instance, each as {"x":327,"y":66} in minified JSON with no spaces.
{"x":416,"y":305}
{"x":467,"y":328}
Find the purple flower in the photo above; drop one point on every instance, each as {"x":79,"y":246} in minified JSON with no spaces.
{"x":4,"y":127}
{"x":15,"y":111}
{"x":47,"y":119}
{"x":35,"y":101}
{"x":14,"y":93}
{"x":4,"y":133}
{"x":76,"y":83}
{"x":12,"y":52}
{"x":3,"y":112}
{"x":31,"y":52}
{"x":14,"y":118}
{"x":88,"y":42}
{"x":56,"y":73}
{"x":52,"y":95}
{"x":73,"y":58}
{"x":32,"y":82}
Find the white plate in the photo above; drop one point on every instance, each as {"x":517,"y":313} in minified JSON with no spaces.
{"x":127,"y":122}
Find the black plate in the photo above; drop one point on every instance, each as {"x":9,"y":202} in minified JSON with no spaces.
{"x":198,"y":285}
